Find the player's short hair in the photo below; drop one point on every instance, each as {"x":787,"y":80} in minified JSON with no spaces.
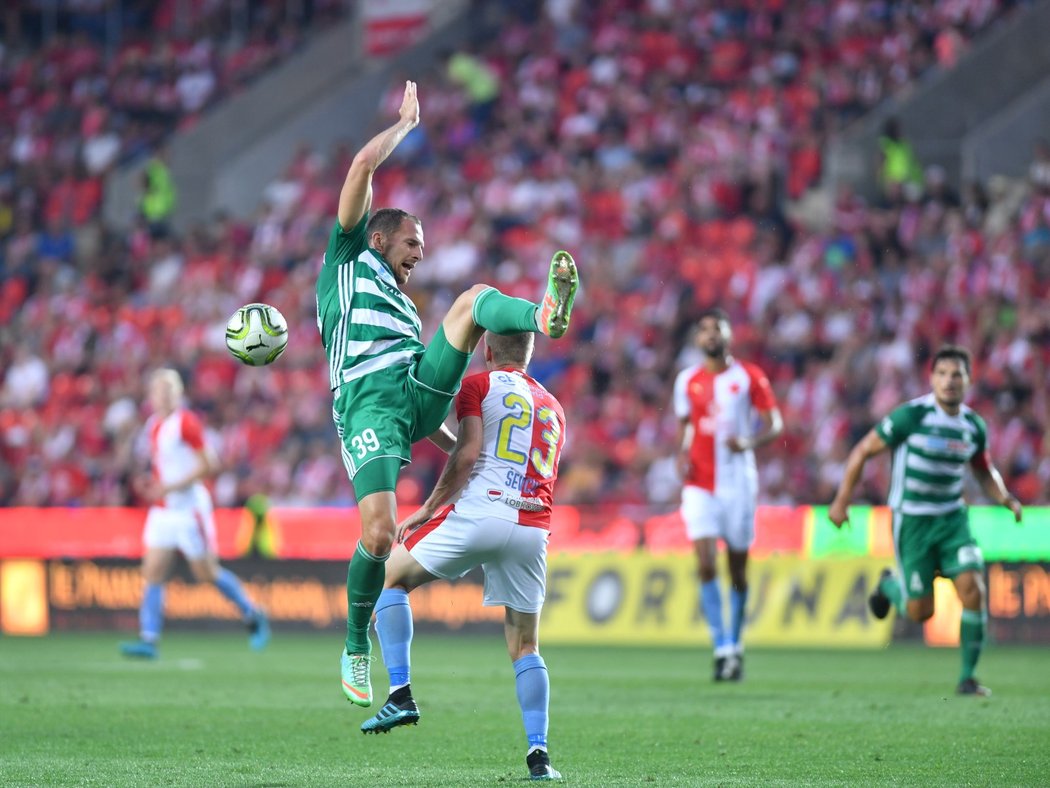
{"x":716,"y":312}
{"x":388,"y":221}
{"x":511,"y":348}
{"x":170,"y":375}
{"x":954,"y":352}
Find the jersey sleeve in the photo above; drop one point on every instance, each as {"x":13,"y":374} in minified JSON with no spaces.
{"x":762,"y":397}
{"x":345,"y":245}
{"x":192,"y":431}
{"x":895,"y":428}
{"x":471,"y":394}
{"x":681,"y":395}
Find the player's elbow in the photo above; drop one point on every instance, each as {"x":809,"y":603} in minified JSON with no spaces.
{"x":364,"y":164}
{"x":468,"y":457}
{"x":857,"y":458}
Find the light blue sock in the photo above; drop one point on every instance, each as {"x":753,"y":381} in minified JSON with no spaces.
{"x":151,"y":613}
{"x":231,"y":588}
{"x":737,"y":606}
{"x":394,"y":627}
{"x":534,"y":692}
{"x":711,"y":602}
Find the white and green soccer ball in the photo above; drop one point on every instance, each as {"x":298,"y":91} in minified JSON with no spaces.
{"x":257,"y":334}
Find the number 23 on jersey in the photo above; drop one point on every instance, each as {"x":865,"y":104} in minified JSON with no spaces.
{"x":521,"y":417}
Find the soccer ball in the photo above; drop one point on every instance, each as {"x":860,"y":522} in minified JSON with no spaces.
{"x":257,"y":334}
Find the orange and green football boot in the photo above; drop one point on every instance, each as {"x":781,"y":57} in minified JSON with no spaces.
{"x":357,"y":678}
{"x":562,"y":284}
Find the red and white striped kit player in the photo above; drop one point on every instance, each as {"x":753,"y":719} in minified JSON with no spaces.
{"x":721,"y":486}
{"x":501,"y":517}
{"x":181,"y":518}
{"x":184,"y":518}
{"x":524,"y":431}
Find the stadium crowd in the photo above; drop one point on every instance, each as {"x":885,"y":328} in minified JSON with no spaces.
{"x":82,"y":90}
{"x":669,"y":145}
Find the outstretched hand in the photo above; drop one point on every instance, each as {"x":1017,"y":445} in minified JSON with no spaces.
{"x":410,"y":104}
{"x":411,"y":523}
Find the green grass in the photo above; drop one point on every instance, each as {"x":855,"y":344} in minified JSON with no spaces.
{"x":212,"y":713}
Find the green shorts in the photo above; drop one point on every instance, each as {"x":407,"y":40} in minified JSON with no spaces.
{"x":928,"y":545}
{"x":379,"y":416}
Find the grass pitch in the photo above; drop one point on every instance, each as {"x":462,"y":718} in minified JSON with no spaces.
{"x":209,"y":712}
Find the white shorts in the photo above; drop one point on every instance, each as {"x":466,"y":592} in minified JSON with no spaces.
{"x":707,"y":515}
{"x":191,"y":531}
{"x":514,"y":557}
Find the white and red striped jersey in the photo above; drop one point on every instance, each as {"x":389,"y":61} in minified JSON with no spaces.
{"x":523,"y":430}
{"x":175,"y":443}
{"x":720,"y":406}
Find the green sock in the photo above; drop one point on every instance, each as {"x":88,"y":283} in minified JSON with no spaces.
{"x":891,"y":587}
{"x":971,"y":638}
{"x":502,"y":314}
{"x":364,"y":584}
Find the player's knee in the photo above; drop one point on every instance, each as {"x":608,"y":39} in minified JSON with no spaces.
{"x":205,"y":571}
{"x":706,"y":572}
{"x":970,"y":588}
{"x":464,"y":303}
{"x":972,"y":598}
{"x":378,"y":530}
{"x":523,"y":649}
{"x":474,"y":292}
{"x":378,"y":542}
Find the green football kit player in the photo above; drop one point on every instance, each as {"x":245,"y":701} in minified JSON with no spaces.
{"x":933,"y":439}
{"x":389,"y":389}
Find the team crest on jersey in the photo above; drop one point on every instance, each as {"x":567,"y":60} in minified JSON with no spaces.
{"x":495,"y":495}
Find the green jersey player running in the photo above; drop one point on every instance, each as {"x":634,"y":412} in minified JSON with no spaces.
{"x":933,"y":439}
{"x":389,"y":390}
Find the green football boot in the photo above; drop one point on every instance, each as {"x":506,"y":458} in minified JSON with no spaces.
{"x":556,"y":307}
{"x":357,"y":678}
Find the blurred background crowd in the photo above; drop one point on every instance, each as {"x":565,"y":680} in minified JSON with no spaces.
{"x":675,"y":147}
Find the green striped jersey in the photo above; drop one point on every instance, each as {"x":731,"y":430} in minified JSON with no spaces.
{"x":930,"y":452}
{"x":366,"y":322}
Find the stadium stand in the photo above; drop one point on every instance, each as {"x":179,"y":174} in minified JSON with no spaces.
{"x":671,"y":156}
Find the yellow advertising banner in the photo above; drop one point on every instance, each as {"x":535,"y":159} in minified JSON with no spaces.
{"x":23,"y":597}
{"x":623,"y":598}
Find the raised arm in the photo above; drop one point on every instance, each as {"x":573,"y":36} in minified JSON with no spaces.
{"x":356,"y":196}
{"x":870,"y":445}
{"x":454,"y":475}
